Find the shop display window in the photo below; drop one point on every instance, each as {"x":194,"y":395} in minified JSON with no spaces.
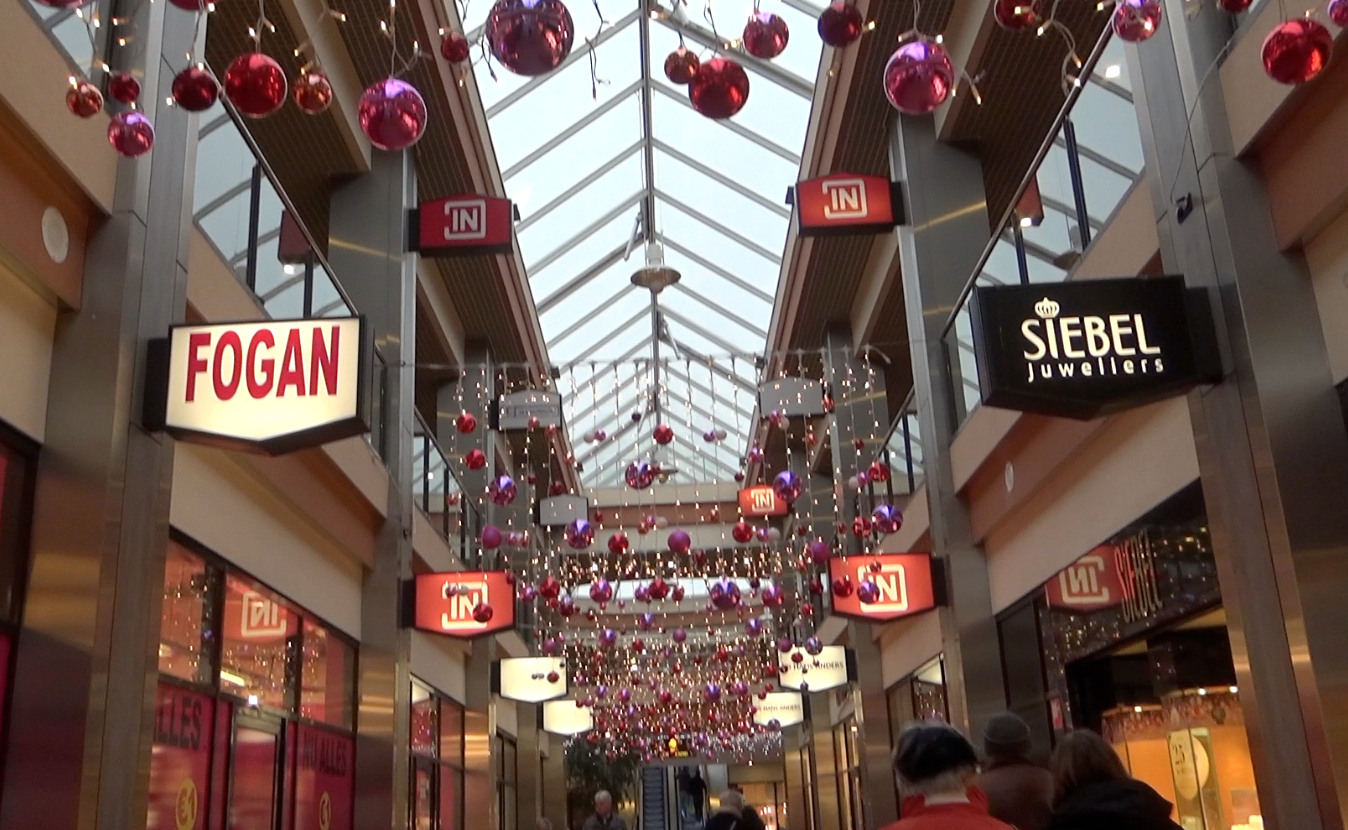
{"x":425,"y":712}
{"x":437,"y":760}
{"x":259,"y":646}
{"x":327,"y":678}
{"x":769,"y":799}
{"x":186,"y":649}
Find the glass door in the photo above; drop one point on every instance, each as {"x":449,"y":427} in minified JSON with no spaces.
{"x":255,"y":773}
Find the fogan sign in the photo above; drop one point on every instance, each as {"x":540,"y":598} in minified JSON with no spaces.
{"x":270,"y":387}
{"x":463,"y":604}
{"x":905,"y":584}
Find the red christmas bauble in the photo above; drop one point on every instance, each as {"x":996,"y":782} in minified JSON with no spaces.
{"x":878,"y":472}
{"x":618,"y":543}
{"x":195,"y":89}
{"x":861,"y":526}
{"x":1136,"y":20}
{"x":466,"y":423}
{"x":130,"y":133}
{"x":765,"y":35}
{"x":681,"y":66}
{"x":124,"y":88}
{"x":530,"y":37}
{"x":720,"y":88}
{"x":392,"y":114}
{"x":312,"y":92}
{"x":1296,"y":51}
{"x":1234,"y":6}
{"x":475,"y":460}
{"x":549,"y":588}
{"x":1338,"y":12}
{"x":742,"y":532}
{"x":842,"y":587}
{"x":919,"y":77}
{"x":1016,"y":15}
{"x":840,"y":25}
{"x":62,"y":4}
{"x":455,"y":48}
{"x":84,"y":99}
{"x":482,"y":612}
{"x":255,"y":84}
{"x":557,"y":488}
{"x":664,"y":434}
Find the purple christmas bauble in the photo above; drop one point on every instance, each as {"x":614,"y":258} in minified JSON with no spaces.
{"x":601,"y":590}
{"x":608,"y":638}
{"x":739,"y":688}
{"x":502,"y":490}
{"x":840,"y":24}
{"x":579,"y":534}
{"x":725,"y":594}
{"x":1338,"y":12}
{"x":772,"y":596}
{"x":819,"y":551}
{"x":754,"y":627}
{"x":712,"y":693}
{"x":679,"y":635}
{"x":784,"y":645}
{"x":639,"y":475}
{"x":814,"y":646}
{"x":491,"y":537}
{"x":886,"y":519}
{"x":868,"y":592}
{"x":392,"y":114}
{"x":642,"y":594}
{"x":530,"y":37}
{"x":787,"y":486}
{"x":680,"y":541}
{"x":646,"y":621}
{"x":919,"y":77}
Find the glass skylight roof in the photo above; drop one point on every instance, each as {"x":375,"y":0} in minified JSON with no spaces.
{"x":574,"y":153}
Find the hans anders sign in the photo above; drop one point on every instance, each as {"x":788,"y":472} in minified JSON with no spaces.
{"x":530,"y":679}
{"x":272,"y":387}
{"x":786,"y":708}
{"x":1088,"y":348}
{"x":830,"y":668}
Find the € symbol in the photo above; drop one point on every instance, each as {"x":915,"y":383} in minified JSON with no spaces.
{"x":324,"y":811}
{"x":185,"y":811}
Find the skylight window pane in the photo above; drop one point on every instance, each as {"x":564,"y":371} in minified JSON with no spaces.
{"x":579,"y":257}
{"x":720,"y":203}
{"x":602,"y":196}
{"x":565,"y":98}
{"x":571,"y":161}
{"x":709,"y":284}
{"x":607,"y":307}
{"x":723,"y":251}
{"x":1108,"y":125}
{"x":713,"y":320}
{"x":721,"y":150}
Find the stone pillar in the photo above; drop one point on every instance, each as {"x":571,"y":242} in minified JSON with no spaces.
{"x":554,"y":782}
{"x":479,"y":766}
{"x":938,"y":250}
{"x":1271,"y":443}
{"x":367,"y":252}
{"x":528,"y":795}
{"x":826,"y":792}
{"x":797,"y":804}
{"x":872,"y":712}
{"x":83,"y":708}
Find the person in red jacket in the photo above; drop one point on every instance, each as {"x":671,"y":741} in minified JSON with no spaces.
{"x":934,"y":766}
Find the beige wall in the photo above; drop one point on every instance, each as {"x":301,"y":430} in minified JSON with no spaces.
{"x":27,"y":325}
{"x":906,"y":645}
{"x":1137,"y":461}
{"x":440,"y":662}
{"x":507,"y":716}
{"x":217,"y":503}
{"x":1327,"y":257}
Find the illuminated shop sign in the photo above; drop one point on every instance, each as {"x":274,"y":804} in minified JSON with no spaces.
{"x":1087,"y":348}
{"x":463,"y":225}
{"x":529,"y":679}
{"x":463,"y":604}
{"x":526,"y":409}
{"x":905,"y":584}
{"x":845,"y":203}
{"x":271,"y":387}
{"x":787,"y":708}
{"x":830,"y":668}
{"x":761,"y":500}
{"x":564,"y":717}
{"x":1120,"y":575}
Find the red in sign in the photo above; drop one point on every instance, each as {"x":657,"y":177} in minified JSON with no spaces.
{"x":761,"y":500}
{"x":468,"y":224}
{"x":1089,"y":584}
{"x":446,"y":603}
{"x":844,"y":203}
{"x":904,"y":581}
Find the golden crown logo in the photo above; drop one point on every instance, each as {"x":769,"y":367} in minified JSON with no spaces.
{"x":1046,"y":308}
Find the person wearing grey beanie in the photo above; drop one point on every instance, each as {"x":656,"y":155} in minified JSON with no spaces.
{"x":933,"y":767}
{"x":1019,"y":792}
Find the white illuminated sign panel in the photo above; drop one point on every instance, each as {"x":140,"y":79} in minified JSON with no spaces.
{"x":814,"y":673}
{"x":273,"y":386}
{"x":532,"y":679}
{"x":787,"y":708}
{"x":564,"y":717}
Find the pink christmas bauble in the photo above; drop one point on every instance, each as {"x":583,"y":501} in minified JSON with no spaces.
{"x":312,"y":92}
{"x":579,"y":534}
{"x":680,"y":541}
{"x":1015,"y":15}
{"x":195,"y":89}
{"x":681,"y":66}
{"x":491,"y":537}
{"x":840,"y":24}
{"x":765,"y":35}
{"x":1136,"y":20}
{"x":392,"y":114}
{"x":502,"y":490}
{"x":84,"y":99}
{"x":130,"y":133}
{"x":123,"y":87}
{"x":1296,"y":51}
{"x":720,"y":88}
{"x":530,"y":37}
{"x":255,"y":84}
{"x":455,"y":48}
{"x":919,"y":77}
{"x":1338,"y":12}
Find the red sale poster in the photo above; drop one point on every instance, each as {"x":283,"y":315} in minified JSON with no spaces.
{"x":324,"y":779}
{"x":180,"y":765}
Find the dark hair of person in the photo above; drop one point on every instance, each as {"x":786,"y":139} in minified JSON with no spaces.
{"x":1083,"y":758}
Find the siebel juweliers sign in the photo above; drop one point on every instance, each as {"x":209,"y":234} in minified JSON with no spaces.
{"x":1088,"y":348}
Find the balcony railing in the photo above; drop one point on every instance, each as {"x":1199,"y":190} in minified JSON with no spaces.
{"x":902,"y":453}
{"x":1083,"y":172}
{"x":439,"y":496}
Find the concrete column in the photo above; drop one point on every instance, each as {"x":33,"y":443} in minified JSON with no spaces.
{"x":872,"y":713}
{"x":554,"y":782}
{"x":826,"y":792}
{"x":479,"y":765}
{"x":1272,"y":448}
{"x":938,"y":249}
{"x":797,"y":804}
{"x":367,"y":241}
{"x":82,"y":718}
{"x":528,"y":795}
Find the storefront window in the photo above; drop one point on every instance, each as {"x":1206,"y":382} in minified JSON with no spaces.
{"x":186,"y":651}
{"x":327,"y":689}
{"x":506,"y":774}
{"x":437,"y":760}
{"x":260,"y":641}
{"x":16,"y":495}
{"x":425,"y":708}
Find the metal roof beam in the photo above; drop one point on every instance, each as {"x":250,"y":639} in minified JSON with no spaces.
{"x":588,"y":317}
{"x":723,"y":311}
{"x":576,"y":188}
{"x":701,"y":332}
{"x":581,"y":279}
{"x":585,"y":233}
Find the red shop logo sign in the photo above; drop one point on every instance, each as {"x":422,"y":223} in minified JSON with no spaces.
{"x":463,"y":604}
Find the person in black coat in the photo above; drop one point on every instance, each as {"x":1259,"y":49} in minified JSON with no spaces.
{"x":1093,"y":791}
{"x":730,"y":814}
